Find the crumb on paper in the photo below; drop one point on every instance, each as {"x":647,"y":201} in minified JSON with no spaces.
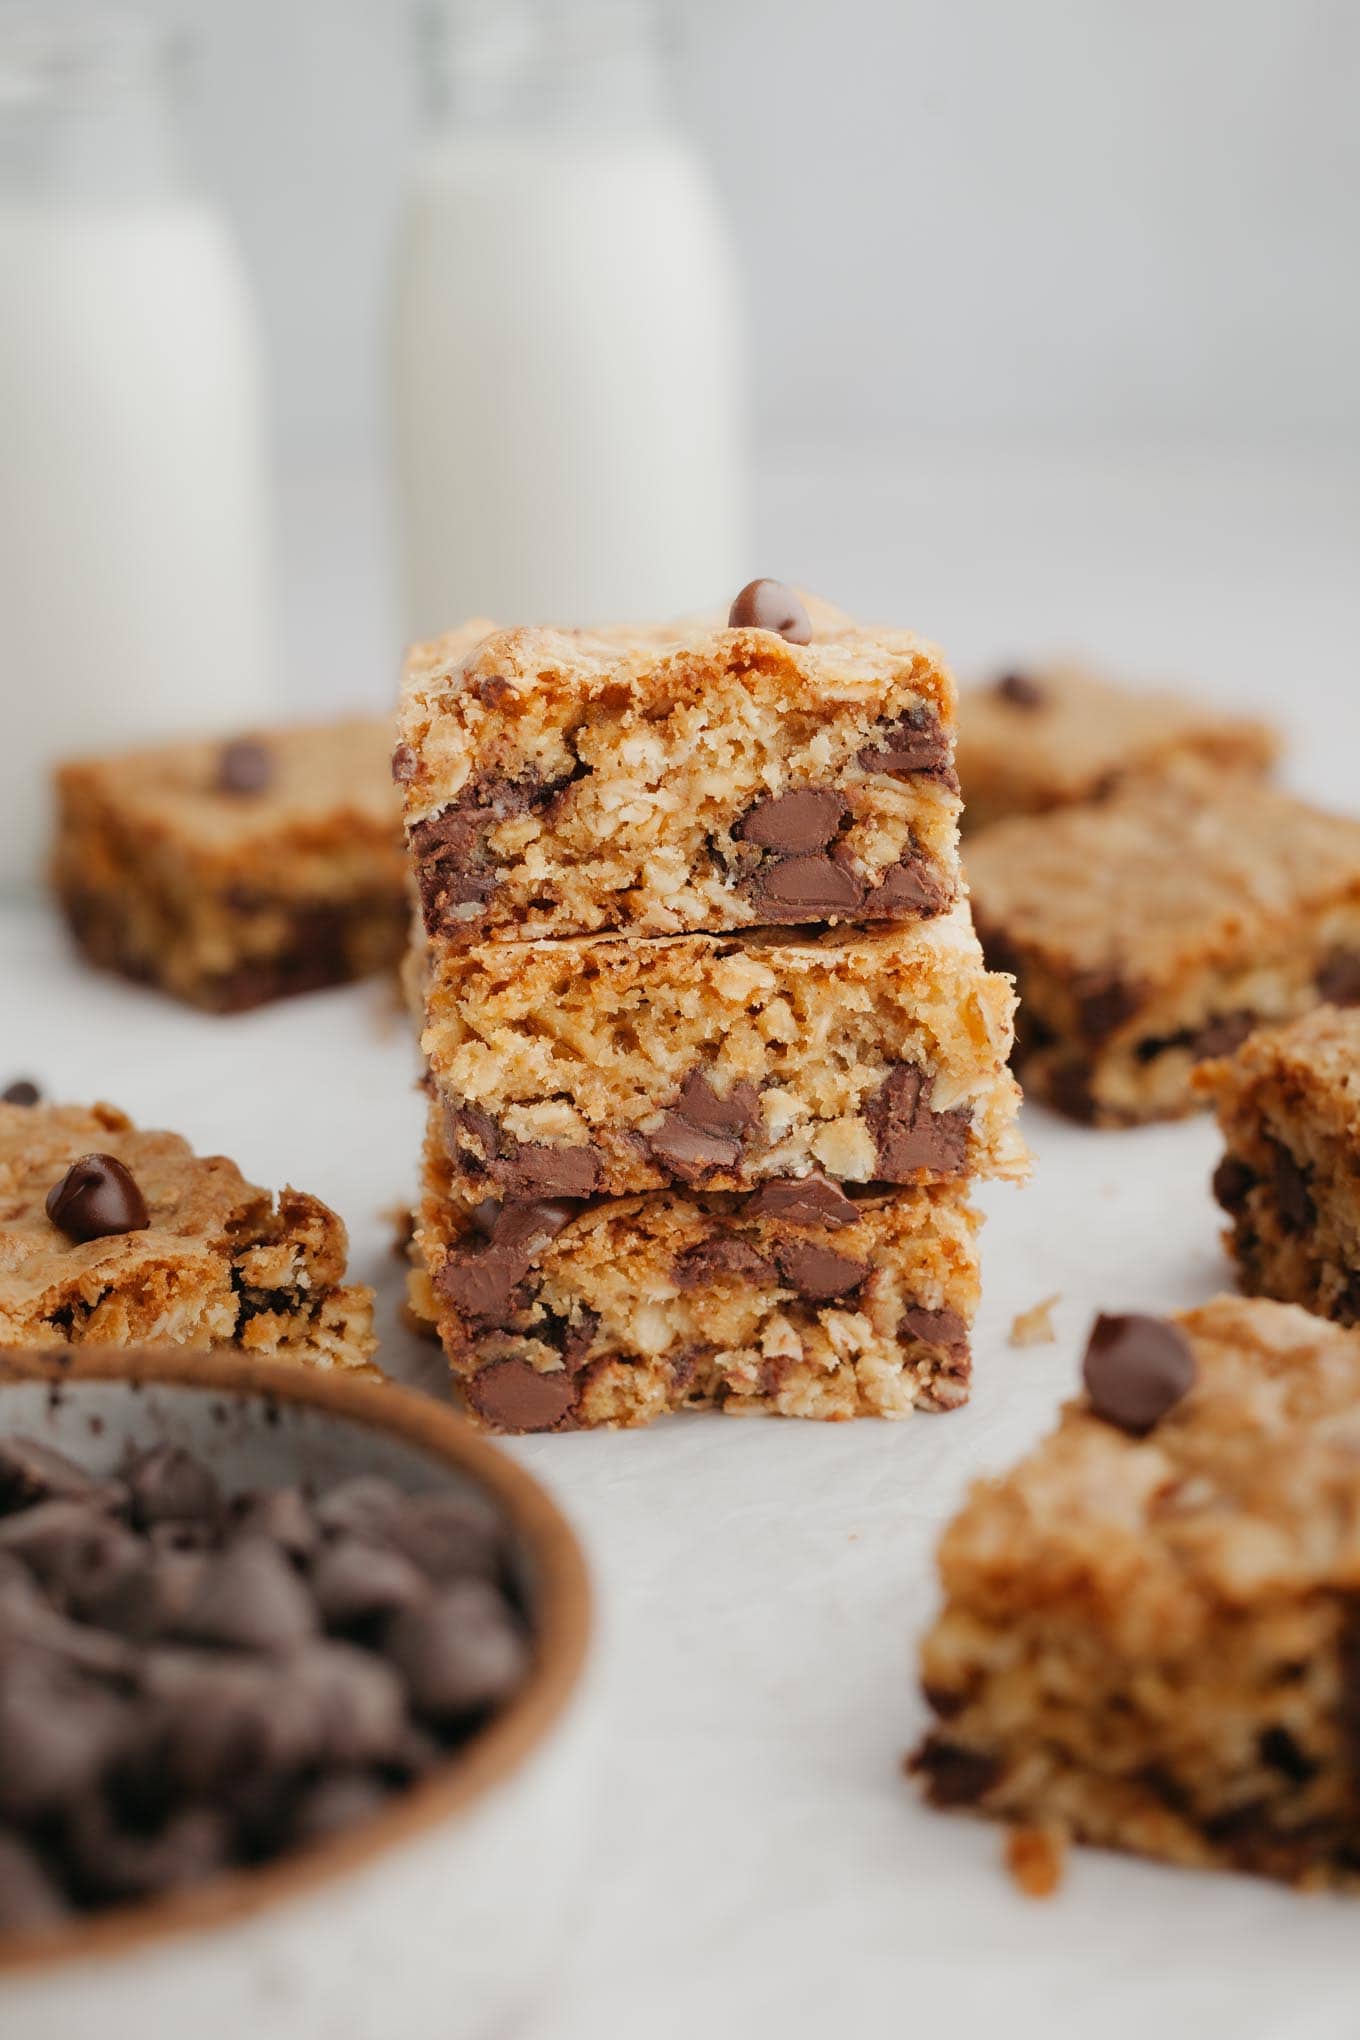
{"x":1034,"y":1327}
{"x":1035,"y":1858}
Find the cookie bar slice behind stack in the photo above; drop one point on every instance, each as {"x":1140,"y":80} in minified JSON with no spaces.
{"x":712,"y":1052}
{"x":1289,"y":1106}
{"x":1150,"y":1636}
{"x":231,"y":873}
{"x":1153,"y":932}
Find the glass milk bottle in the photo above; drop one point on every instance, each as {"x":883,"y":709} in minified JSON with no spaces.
{"x":566,"y":346}
{"x":133,"y":507}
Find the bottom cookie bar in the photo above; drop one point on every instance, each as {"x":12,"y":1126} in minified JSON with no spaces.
{"x":1289,"y":1106}
{"x":796,"y":1300}
{"x":1151,"y":1631}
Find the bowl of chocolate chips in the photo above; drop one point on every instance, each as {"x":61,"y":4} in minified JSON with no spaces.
{"x":292,"y":1732}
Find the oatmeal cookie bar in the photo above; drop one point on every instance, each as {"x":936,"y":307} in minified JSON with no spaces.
{"x":1055,"y":734}
{"x":230,"y":873}
{"x":797,"y":1300}
{"x":1151,"y":1628}
{"x":1289,"y":1106}
{"x":1153,"y":932}
{"x":113,"y":1236}
{"x":678,"y":780}
{"x":604,"y":1065}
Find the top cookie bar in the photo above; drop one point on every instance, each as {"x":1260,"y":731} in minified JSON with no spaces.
{"x":687,"y":779}
{"x":1045,"y":738}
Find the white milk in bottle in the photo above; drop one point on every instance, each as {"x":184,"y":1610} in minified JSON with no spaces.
{"x":133,"y":507}
{"x":566,"y":346}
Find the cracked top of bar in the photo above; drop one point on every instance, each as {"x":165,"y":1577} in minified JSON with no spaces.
{"x":678,"y":779}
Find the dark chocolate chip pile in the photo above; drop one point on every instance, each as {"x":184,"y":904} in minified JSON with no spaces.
{"x":192,"y":1682}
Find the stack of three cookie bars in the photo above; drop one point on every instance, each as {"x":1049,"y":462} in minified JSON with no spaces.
{"x":712,"y":1055}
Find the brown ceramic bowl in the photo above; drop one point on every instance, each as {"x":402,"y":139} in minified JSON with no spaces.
{"x":411,"y":1922}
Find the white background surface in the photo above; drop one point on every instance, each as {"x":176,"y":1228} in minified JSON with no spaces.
{"x":759,"y":1864}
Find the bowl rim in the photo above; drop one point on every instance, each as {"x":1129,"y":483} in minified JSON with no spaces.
{"x":562,"y":1635}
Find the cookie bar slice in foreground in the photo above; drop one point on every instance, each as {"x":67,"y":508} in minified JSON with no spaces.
{"x":232,"y":873}
{"x":797,"y":1301}
{"x":1055,"y":734}
{"x":609,"y":1065}
{"x":1153,"y":932}
{"x":1289,"y":1106}
{"x":1151,"y":1627}
{"x":676,"y":780}
{"x":113,"y":1236}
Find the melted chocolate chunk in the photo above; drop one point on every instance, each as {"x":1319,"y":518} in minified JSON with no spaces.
{"x":803,"y":1200}
{"x":1020,"y":691}
{"x":809,"y":888}
{"x":1233,"y":1183}
{"x":934,"y":1328}
{"x":96,"y":1199}
{"x":916,"y":742}
{"x":513,"y":1396}
{"x":1338,"y":979}
{"x":1069,"y":1089}
{"x":1136,"y":1369}
{"x":702,"y":1106}
{"x":244,"y":767}
{"x":769,"y":605}
{"x":955,"y":1776}
{"x":405,"y":764}
{"x":909,"y":1136}
{"x":795,"y":823}
{"x":704,"y":1132}
{"x":481,"y":1282}
{"x":1292,"y":1195}
{"x":454,"y":867}
{"x":817,"y":1272}
{"x":1104,"y":1002}
{"x":520,"y":1169}
{"x":909,"y":890}
{"x":1219,"y":1035}
{"x":720,"y":1259}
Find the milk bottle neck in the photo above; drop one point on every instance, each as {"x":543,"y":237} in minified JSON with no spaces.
{"x":89,"y":110}
{"x":547,"y":68}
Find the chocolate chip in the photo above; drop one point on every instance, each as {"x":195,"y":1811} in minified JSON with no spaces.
{"x":942,"y":1327}
{"x":454,"y":867}
{"x":1292,"y":1195}
{"x":244,"y":767}
{"x":1221,"y":1035}
{"x":1282,"y":1753}
{"x":480,"y":1282}
{"x":795,"y":823}
{"x":732,"y":1112}
{"x":117,"y":1862}
{"x":354,"y":1582}
{"x":1136,"y":1369}
{"x":459,"y":1653}
{"x":916,"y":742}
{"x":23,"y":1091}
{"x":816,"y":1272}
{"x":405,"y":764}
{"x":96,"y":1198}
{"x":908,"y":890}
{"x":803,"y":1200}
{"x":1104,"y":1002}
{"x":690,"y":1153}
{"x":1338,"y":978}
{"x":955,"y":1776}
{"x":720,"y":1259}
{"x":769,"y":605}
{"x":1068,"y":1088}
{"x":72,"y":1547}
{"x":362,"y":1506}
{"x":57,"y":1734}
{"x":807,"y":888}
{"x":337,"y":1803}
{"x":33,"y":1472}
{"x":514,"y":1396}
{"x":908,"y":1135}
{"x":354,"y":1700}
{"x":1020,"y":691}
{"x":1233,"y":1183}
{"x":249,"y":1599}
{"x":280,"y":1514}
{"x":537,"y":1169}
{"x":147,"y":1601}
{"x":29,"y":1898}
{"x":166,"y":1484}
{"x":449,"y":1536}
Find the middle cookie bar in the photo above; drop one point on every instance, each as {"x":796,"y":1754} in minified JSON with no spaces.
{"x":610,"y":1067}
